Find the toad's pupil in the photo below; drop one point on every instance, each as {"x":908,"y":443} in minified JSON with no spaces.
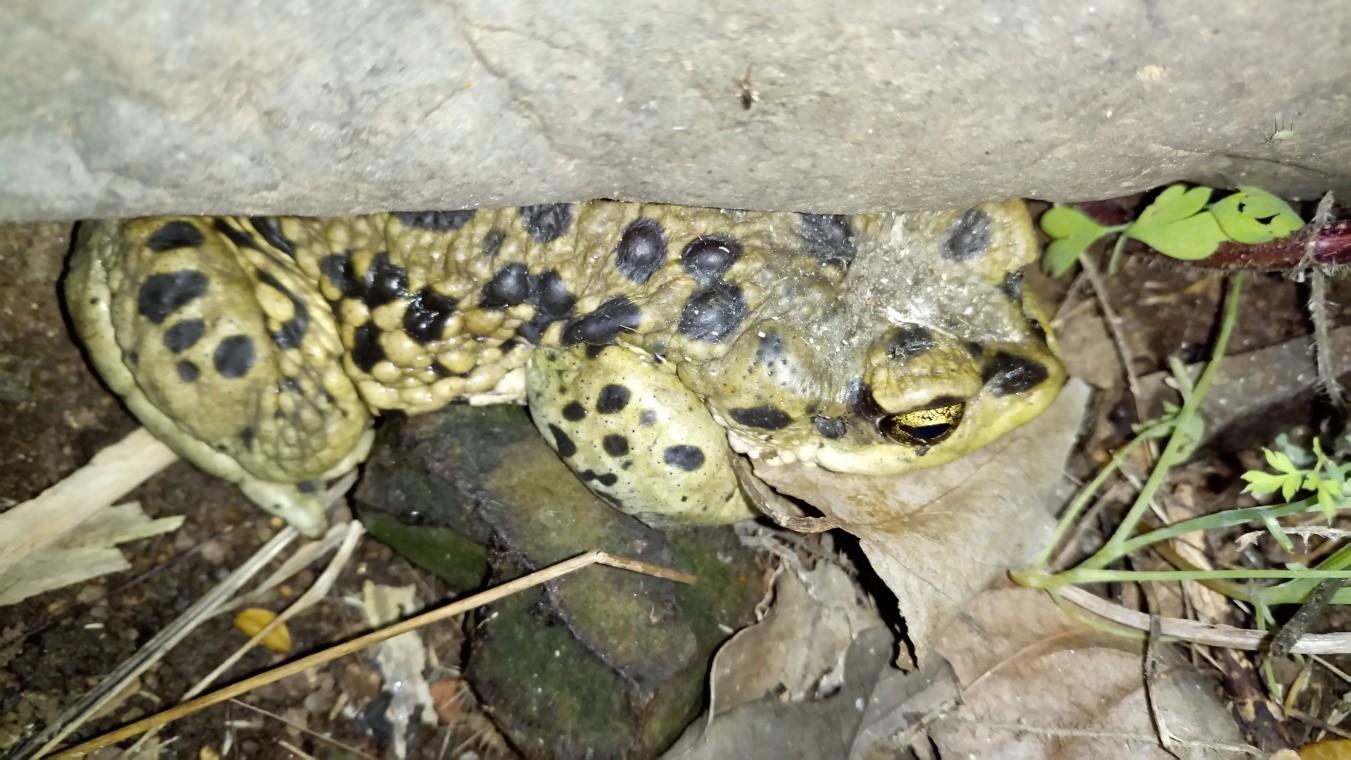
{"x":925,"y":426}
{"x":926,"y":433}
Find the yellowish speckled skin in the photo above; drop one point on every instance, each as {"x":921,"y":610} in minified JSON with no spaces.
{"x":261,"y":348}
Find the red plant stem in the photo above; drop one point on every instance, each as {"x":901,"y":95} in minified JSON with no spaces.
{"x":1331,"y":248}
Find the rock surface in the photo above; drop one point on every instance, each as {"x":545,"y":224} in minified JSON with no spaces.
{"x":600,"y":663}
{"x":129,"y":107}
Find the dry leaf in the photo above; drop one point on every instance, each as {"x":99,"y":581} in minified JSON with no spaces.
{"x":1036,"y":685}
{"x":83,"y":551}
{"x":446,"y":700}
{"x":1333,"y":749}
{"x":803,"y":640}
{"x":939,"y":536}
{"x":40,"y":522}
{"x":254,"y":619}
{"x":768,"y":729}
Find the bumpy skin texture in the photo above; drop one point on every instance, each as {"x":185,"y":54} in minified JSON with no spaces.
{"x":260,"y":348}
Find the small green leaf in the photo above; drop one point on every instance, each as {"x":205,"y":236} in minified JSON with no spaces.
{"x":1289,"y":488}
{"x":1068,"y":221}
{"x":1327,"y":501}
{"x":1252,"y":215}
{"x":1262,"y":482}
{"x":1189,"y":239}
{"x":1072,"y":232}
{"x":1175,"y":204}
{"x":1280,"y":462}
{"x":1062,"y":254}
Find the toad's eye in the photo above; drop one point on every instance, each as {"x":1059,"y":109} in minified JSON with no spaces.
{"x":923,"y":427}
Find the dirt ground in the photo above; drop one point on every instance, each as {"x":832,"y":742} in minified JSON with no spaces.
{"x":57,"y":645}
{"x":57,"y":416}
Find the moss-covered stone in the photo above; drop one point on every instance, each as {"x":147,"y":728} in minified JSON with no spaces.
{"x":601,"y":663}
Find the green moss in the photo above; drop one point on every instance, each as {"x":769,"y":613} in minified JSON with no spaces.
{"x":449,"y":555}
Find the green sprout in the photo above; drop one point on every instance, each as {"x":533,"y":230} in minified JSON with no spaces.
{"x":1325,"y":480}
{"x":1322,"y":478}
{"x":1181,"y":223}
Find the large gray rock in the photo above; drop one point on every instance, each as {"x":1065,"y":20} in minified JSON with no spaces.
{"x":120,"y":107}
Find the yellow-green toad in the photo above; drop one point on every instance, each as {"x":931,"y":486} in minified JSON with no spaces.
{"x":645,"y":339}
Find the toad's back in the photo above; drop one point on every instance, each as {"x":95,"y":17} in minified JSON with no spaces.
{"x":259,"y":346}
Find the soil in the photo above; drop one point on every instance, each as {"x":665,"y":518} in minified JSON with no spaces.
{"x":55,"y":646}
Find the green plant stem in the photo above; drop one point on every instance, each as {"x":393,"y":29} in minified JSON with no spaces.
{"x":1118,"y":248}
{"x":1223,"y":519}
{"x":1298,"y":590}
{"x":1177,"y":442}
{"x":1082,"y":575}
{"x":1082,"y":500}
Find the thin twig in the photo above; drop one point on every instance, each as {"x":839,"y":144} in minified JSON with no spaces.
{"x":1055,"y":732}
{"x":1201,"y":633}
{"x":1308,"y":613}
{"x":74,"y":716}
{"x":317,"y":591}
{"x":321,"y":737}
{"x":296,"y":751}
{"x":361,"y":642}
{"x":1113,"y":322}
{"x":1167,"y":741}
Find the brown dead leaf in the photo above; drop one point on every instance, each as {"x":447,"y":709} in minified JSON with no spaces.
{"x":446,"y":700}
{"x":1036,"y":685}
{"x":84,"y":550}
{"x":1333,"y":749}
{"x":939,"y":536}
{"x":803,"y":640}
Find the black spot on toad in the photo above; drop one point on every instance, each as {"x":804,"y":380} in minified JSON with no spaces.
{"x":163,"y":294}
{"x":188,"y":372}
{"x":366,"y":348}
{"x":829,"y":427}
{"x":510,"y":286}
{"x":641,"y":250}
{"x":603,"y":324}
{"x":574,"y":412}
{"x":240,"y":238}
{"x":1006,"y":373}
{"x":909,"y":340}
{"x":550,"y":296}
{"x":1013,"y":286}
{"x":184,"y":335}
{"x":546,"y":222}
{"x":765,"y":417}
{"x":270,"y":228}
{"x":427,"y":314}
{"x":384,"y":282}
{"x":708,"y":257}
{"x":562,"y":443}
{"x":612,"y":398}
{"x":615,"y":445}
{"x":337,"y":268}
{"x":175,"y":235}
{"x":684,"y":457}
{"x":968,"y":237}
{"x":713,"y":313}
{"x":436,"y":221}
{"x":234,"y":356}
{"x":829,"y":238}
